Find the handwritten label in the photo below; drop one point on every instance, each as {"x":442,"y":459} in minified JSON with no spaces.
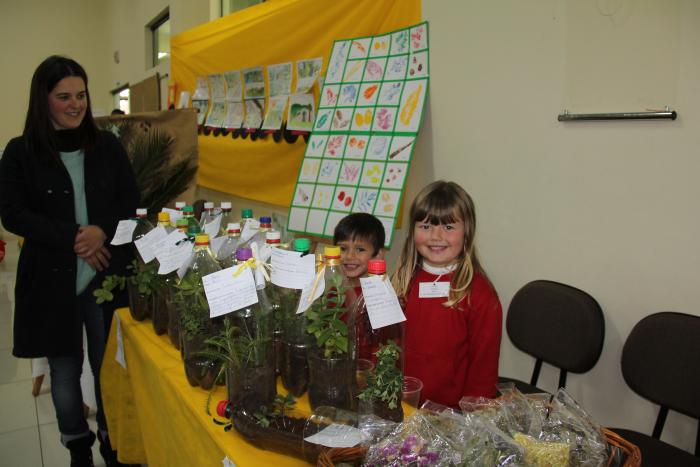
{"x":291,"y":270}
{"x":433,"y":289}
{"x":250,"y":228}
{"x":173,"y":252}
{"x":124,"y":233}
{"x":119,"y":356}
{"x":146,"y":244}
{"x":383,"y":306}
{"x":306,"y":299}
{"x":174,"y":215}
{"x":212,"y":228}
{"x":182,"y":270}
{"x":226,"y":293}
{"x":338,"y":436}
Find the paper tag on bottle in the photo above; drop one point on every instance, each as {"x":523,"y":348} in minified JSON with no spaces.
{"x":174,"y":214}
{"x":213,"y":227}
{"x":174,"y":253}
{"x":119,"y":356}
{"x":433,"y":289}
{"x":338,"y":436}
{"x":125,"y":232}
{"x":250,"y":228}
{"x":382,"y":305}
{"x":306,"y":299}
{"x":291,"y":270}
{"x":182,"y":270}
{"x":146,"y":244}
{"x":226,"y":292}
{"x":226,"y":462}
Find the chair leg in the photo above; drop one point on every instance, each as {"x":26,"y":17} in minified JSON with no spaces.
{"x":562,"y":379}
{"x":36,"y":385}
{"x":536,"y":372}
{"x":660,"y":421}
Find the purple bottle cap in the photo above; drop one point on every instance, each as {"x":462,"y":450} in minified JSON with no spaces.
{"x":244,"y":253}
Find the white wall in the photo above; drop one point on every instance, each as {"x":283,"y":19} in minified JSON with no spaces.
{"x":609,"y":207}
{"x":32,"y":30}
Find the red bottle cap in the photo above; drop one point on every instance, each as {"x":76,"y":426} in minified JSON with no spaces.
{"x":376,"y":266}
{"x":221,"y":409}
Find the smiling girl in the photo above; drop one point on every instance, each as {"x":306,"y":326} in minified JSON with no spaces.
{"x":453,"y":315}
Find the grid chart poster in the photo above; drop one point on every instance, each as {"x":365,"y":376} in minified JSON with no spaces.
{"x":369,"y":113}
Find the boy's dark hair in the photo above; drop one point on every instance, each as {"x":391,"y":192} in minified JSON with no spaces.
{"x":360,"y":225}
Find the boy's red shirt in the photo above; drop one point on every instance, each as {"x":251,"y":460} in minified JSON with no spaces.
{"x":453,"y":351}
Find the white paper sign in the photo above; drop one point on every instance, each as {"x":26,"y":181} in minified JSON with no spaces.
{"x":228,"y":462}
{"x":119,"y":356}
{"x":226,"y":293}
{"x":215,"y":244}
{"x":124,"y":233}
{"x":174,"y":257}
{"x":212,"y":228}
{"x":251,"y":228}
{"x":146,"y":244}
{"x":304,"y":301}
{"x":338,"y":436}
{"x":174,"y":214}
{"x":433,"y":289}
{"x":183,"y":269}
{"x":291,"y":270}
{"x":162,"y":247}
{"x":382,"y":304}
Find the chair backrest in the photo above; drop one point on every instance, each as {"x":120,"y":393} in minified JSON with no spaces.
{"x":661,"y":361}
{"x":558,"y":324}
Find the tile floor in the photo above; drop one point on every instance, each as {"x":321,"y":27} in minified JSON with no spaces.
{"x":28,"y":429}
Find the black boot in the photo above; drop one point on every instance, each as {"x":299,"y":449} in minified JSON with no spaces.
{"x":108,"y":454}
{"x":81,"y":451}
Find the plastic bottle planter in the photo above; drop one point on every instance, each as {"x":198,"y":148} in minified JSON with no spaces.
{"x":331,"y":381}
{"x":140,"y":304}
{"x":295,"y":368}
{"x":199,"y":370}
{"x":160,"y":309}
{"x":173,"y":307}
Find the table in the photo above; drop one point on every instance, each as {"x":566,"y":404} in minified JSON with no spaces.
{"x":155,"y":417}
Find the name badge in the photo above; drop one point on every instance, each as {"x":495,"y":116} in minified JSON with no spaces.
{"x":433,"y":289}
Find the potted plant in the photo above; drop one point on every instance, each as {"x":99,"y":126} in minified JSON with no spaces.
{"x":384,"y":383}
{"x":140,"y":289}
{"x":331,"y":361}
{"x":196,"y":329}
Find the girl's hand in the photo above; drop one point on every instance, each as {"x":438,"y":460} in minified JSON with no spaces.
{"x":100,"y":260}
{"x":88,"y":241}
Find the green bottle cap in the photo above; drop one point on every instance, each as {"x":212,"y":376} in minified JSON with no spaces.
{"x":188,"y":209}
{"x":302,"y":244}
{"x":181,"y":222}
{"x":247,"y":213}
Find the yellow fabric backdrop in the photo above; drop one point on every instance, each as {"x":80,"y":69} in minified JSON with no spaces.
{"x":276,"y":31}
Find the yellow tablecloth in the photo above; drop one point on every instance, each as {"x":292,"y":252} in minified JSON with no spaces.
{"x":153,"y":414}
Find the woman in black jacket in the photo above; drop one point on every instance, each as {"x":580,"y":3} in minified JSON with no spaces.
{"x":64,"y":186}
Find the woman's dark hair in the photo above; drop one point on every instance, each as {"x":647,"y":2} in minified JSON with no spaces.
{"x":39,"y":134}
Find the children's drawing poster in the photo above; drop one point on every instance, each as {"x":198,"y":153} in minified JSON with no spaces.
{"x":280,"y":79}
{"x":275,"y":113}
{"x":300,"y":116}
{"x":234,"y":86}
{"x":254,"y":83}
{"x":363,"y":132}
{"x":216,"y":116}
{"x":307,"y":73}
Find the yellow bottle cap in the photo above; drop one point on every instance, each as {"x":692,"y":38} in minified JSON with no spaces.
{"x":201,"y":239}
{"x":163,"y":217}
{"x":331,"y":252}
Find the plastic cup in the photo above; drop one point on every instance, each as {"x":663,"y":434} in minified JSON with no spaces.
{"x":364,"y":368}
{"x":410,"y":393}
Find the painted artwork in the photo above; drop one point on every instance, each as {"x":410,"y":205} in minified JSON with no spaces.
{"x":279,"y":78}
{"x":307,"y":74}
{"x":216,"y":85}
{"x":363,"y":135}
{"x":254,"y":82}
{"x":234,"y":86}
{"x":300,"y":113}
{"x":275,"y":112}
{"x":202,"y":106}
{"x":253,"y":113}
{"x":235,"y":114}
{"x":216,"y":116}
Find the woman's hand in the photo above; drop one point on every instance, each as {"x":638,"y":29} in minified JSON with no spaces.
{"x":100,"y":260}
{"x":88,"y":241}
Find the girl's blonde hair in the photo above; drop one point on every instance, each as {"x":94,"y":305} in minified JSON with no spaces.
{"x":441,"y":202}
